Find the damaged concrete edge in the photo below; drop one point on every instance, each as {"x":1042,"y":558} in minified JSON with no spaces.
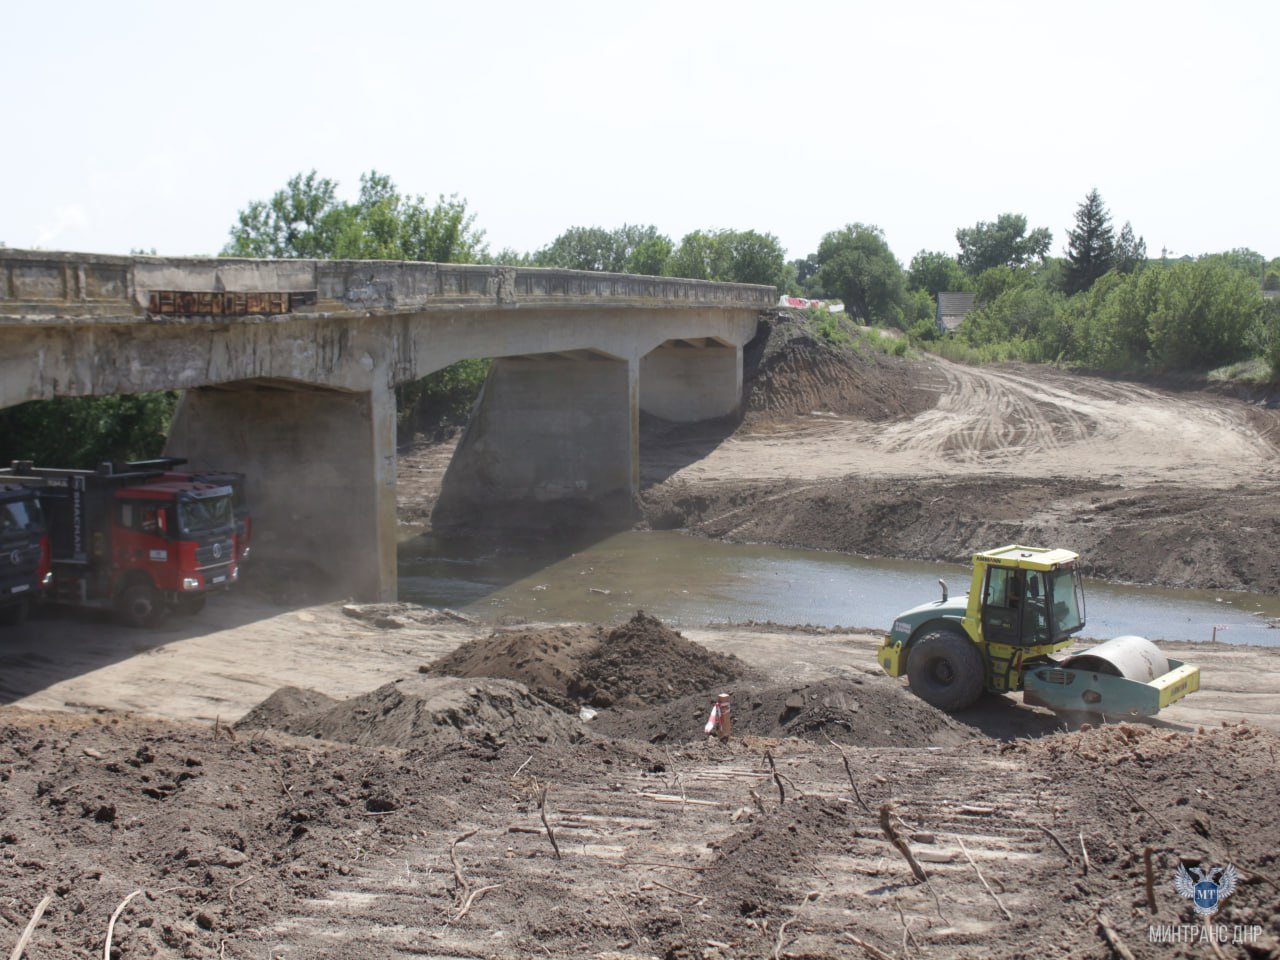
{"x":36,"y":286}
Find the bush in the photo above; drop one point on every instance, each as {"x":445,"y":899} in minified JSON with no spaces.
{"x":81,"y":432}
{"x":440,"y":399}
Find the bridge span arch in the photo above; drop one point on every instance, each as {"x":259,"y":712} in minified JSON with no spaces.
{"x":289,"y":367}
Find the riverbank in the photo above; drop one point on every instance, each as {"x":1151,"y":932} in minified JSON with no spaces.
{"x":1150,"y":486}
{"x":928,"y":460}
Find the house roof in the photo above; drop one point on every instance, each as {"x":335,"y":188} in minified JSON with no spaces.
{"x":952,"y":309}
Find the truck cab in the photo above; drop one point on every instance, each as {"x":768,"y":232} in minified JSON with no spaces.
{"x":176,"y":468}
{"x":25,"y":567}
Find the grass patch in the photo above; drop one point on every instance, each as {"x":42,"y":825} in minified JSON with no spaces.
{"x":1256,"y":370}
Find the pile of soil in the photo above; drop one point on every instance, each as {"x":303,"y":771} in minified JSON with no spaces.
{"x":419,"y":711}
{"x":861,"y":711}
{"x":638,"y":663}
{"x":544,"y":659}
{"x":789,"y":371}
{"x":275,"y":846}
{"x":222,"y":834}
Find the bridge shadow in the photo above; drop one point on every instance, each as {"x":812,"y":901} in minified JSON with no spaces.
{"x":452,"y":570}
{"x":667,"y":447}
{"x":1005,"y":717}
{"x":60,"y":643}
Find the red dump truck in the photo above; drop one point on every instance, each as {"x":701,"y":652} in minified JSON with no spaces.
{"x":25,"y":570}
{"x":141,"y":542}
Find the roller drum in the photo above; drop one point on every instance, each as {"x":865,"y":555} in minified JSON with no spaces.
{"x":1134,"y":658}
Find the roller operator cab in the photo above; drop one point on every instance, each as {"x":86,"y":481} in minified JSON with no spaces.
{"x":25,"y":562}
{"x":1025,"y":604}
{"x":138,"y":542}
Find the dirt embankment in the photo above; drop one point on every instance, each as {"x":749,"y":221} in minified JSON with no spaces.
{"x":934,"y":461}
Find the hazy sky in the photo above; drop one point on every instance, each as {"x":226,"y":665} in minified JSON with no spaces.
{"x":150,"y":125}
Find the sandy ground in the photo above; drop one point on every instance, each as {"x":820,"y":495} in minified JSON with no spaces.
{"x":1021,"y":422}
{"x":1178,"y":489}
{"x":241,"y":649}
{"x":1033,"y":836}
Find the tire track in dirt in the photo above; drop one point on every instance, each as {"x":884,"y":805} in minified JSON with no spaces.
{"x":1032,"y":422}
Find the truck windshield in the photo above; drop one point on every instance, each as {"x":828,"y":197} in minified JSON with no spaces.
{"x":20,"y":516}
{"x":1068,"y":601}
{"x":204,"y":515}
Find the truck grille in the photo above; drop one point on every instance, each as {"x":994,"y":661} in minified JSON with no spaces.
{"x":18,"y":566}
{"x":216,"y":554}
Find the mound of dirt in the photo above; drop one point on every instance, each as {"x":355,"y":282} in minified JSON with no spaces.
{"x":644,"y":662}
{"x":285,"y":710}
{"x":419,"y":711}
{"x":790,"y":371}
{"x":638,"y":663}
{"x":861,"y":711}
{"x":544,"y":659}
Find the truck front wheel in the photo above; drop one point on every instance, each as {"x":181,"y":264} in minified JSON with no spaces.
{"x":141,"y":605}
{"x":945,"y":669}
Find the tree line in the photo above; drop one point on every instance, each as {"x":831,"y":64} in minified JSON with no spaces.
{"x":1104,"y":303}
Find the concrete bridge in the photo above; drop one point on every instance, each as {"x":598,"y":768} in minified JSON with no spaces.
{"x":289,"y":369}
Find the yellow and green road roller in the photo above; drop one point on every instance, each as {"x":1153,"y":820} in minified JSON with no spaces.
{"x":1024,"y":605}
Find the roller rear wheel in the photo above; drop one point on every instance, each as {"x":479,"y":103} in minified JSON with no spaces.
{"x":946,"y":670}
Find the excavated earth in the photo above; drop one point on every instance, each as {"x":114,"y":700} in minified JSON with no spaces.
{"x":281,"y":780}
{"x":366,"y":834}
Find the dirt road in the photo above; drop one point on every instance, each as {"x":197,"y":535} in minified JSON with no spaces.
{"x":241,"y":649}
{"x":1020,"y":422}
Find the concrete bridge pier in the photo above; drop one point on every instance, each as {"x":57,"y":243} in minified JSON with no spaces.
{"x":320,"y":474}
{"x":554,"y":439}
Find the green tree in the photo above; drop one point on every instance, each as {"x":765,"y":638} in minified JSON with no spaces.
{"x":511,"y":257}
{"x":1024,"y":314}
{"x":937,"y":273}
{"x":1003,"y":243}
{"x":1271,"y":336}
{"x":1131,"y":252}
{"x":731,"y":256}
{"x":1206,"y":315}
{"x":1271,"y":275}
{"x":1114,"y":317}
{"x":82,"y":432}
{"x":856,"y":264}
{"x":628,"y":249}
{"x":1091,"y":246}
{"x":582,"y":248}
{"x":306,"y":220}
{"x":302,"y":220}
{"x":700,"y":256}
{"x":1242,"y":259}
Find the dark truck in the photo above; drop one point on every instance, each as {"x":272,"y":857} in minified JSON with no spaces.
{"x":138,"y":542}
{"x":25,"y":571}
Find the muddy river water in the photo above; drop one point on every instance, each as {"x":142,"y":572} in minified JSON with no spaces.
{"x":688,"y":581}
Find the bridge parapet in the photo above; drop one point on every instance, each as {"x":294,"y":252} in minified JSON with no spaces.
{"x":39,"y":287}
